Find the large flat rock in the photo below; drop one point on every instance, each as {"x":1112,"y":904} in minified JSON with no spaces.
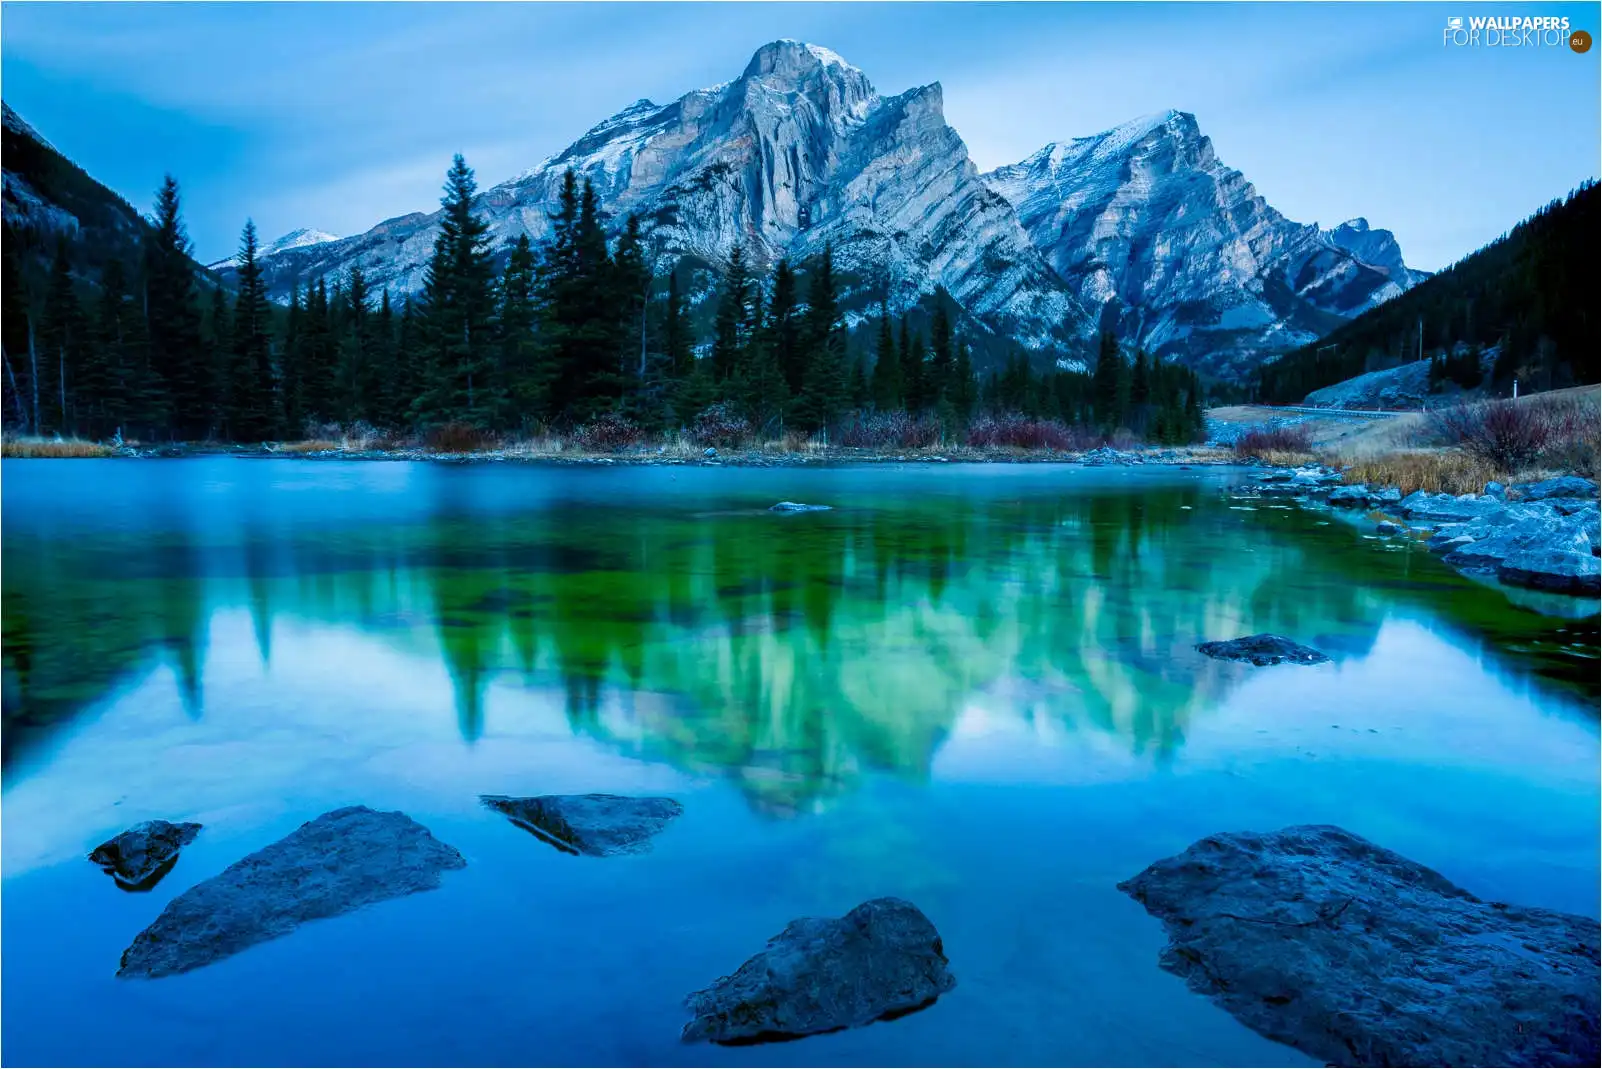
{"x":882,"y":960}
{"x":139,"y":857}
{"x":594,"y":824}
{"x":339,"y":862}
{"x":1317,"y":938}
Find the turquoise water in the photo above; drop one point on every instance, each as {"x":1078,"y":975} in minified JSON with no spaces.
{"x":972,"y":687}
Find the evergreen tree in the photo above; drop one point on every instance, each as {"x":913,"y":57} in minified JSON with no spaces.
{"x":291,"y":362}
{"x":886,"y":364}
{"x":104,"y":381}
{"x":785,"y":323}
{"x":252,"y":410}
{"x":942,"y":361}
{"x":388,"y":404}
{"x":182,"y":374}
{"x":217,"y":341}
{"x":912,"y":369}
{"x":1140,"y":380}
{"x":63,"y":337}
{"x":676,"y":332}
{"x":733,"y":318}
{"x":1110,"y":383}
{"x":631,"y":283}
{"x":824,"y":389}
{"x":358,"y":377}
{"x":964,"y":393}
{"x":459,"y":310}
{"x":763,"y":391}
{"x":578,"y":324}
{"x":523,"y":361}
{"x":318,"y":377}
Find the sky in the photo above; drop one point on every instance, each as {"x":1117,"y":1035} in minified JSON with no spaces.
{"x":337,"y":116}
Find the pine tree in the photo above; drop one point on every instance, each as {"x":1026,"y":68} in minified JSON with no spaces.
{"x":824,"y":389}
{"x":103,"y":382}
{"x":785,"y":324}
{"x":63,"y":336}
{"x":523,"y":362}
{"x":458,"y":308}
{"x":1140,"y":380}
{"x":387,"y":402}
{"x":181,"y":372}
{"x":18,"y":343}
{"x":964,"y":393}
{"x":217,"y":341}
{"x":317,"y":365}
{"x":1110,"y":383}
{"x":733,"y":318}
{"x":358,"y":377}
{"x":631,"y":284}
{"x":942,"y":361}
{"x":252,"y":409}
{"x":761,"y":385}
{"x":291,"y":362}
{"x":886,"y":365}
{"x":676,"y":338}
{"x":912,"y":370}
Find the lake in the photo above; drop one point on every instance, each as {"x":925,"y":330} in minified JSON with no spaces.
{"x":974,"y":687}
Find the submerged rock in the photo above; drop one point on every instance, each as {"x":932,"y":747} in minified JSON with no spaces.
{"x":1386,"y":527}
{"x":1358,"y":956}
{"x":139,"y":857}
{"x":796,"y":506}
{"x":341,"y":861}
{"x":1262,"y":650}
{"x":882,"y":960}
{"x":594,"y":824}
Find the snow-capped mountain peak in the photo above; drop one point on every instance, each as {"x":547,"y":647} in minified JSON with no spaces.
{"x":1180,"y":252}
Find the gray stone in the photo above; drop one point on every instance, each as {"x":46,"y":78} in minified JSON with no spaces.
{"x":1262,"y":650}
{"x":1557,"y":570}
{"x":1444,"y":508}
{"x":595,"y":824}
{"x":1562,"y":486}
{"x":709,"y":452}
{"x":139,"y":857}
{"x":1495,"y":489}
{"x":796,"y":506}
{"x":882,"y":960}
{"x":1358,"y":956}
{"x":1388,"y":496}
{"x":343,"y":860}
{"x":1354,"y":496}
{"x":1386,"y":527}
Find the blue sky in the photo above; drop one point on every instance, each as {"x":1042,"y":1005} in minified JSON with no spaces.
{"x":340,"y":115}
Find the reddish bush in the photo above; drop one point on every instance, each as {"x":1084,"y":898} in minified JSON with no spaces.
{"x":607,"y":433}
{"x":1264,"y":440}
{"x":1018,"y":432}
{"x":721,"y":426}
{"x":1508,"y":434}
{"x":457,"y":437}
{"x":878,"y":430}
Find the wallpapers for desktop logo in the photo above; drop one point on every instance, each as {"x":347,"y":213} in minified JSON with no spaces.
{"x":1516,"y":31}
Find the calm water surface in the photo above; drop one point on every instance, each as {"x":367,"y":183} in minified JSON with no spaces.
{"x":971,"y":687}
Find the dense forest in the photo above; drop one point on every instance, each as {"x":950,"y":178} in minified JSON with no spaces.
{"x":581,"y":332}
{"x":1532,"y":294}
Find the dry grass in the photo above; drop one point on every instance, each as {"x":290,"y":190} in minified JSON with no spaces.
{"x":315,"y":445}
{"x":41,"y":448}
{"x":1440,"y":471}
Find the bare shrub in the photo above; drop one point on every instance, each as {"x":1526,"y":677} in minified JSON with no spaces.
{"x":1018,"y":432}
{"x":607,"y":433}
{"x":1262,"y":443}
{"x":878,"y":430}
{"x":719,"y":425}
{"x":1507,"y":434}
{"x":457,"y":437}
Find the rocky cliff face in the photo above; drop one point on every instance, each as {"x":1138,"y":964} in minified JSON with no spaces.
{"x":798,"y":152}
{"x":1179,"y":253}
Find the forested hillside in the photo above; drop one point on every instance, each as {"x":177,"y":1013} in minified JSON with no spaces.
{"x":1532,"y":292}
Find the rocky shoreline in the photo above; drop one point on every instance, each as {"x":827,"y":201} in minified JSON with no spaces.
{"x":1540,"y":535}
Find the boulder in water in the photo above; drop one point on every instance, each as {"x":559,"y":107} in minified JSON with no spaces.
{"x":1358,"y":956}
{"x":796,"y":506}
{"x":139,"y":857}
{"x":343,"y":860}
{"x":594,"y":824}
{"x":882,"y":960}
{"x":1262,"y":650}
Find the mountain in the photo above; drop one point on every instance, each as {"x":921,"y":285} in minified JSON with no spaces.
{"x":1180,"y":254}
{"x":798,"y":152}
{"x":296,"y":239}
{"x":1530,"y":296}
{"x":46,"y":196}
